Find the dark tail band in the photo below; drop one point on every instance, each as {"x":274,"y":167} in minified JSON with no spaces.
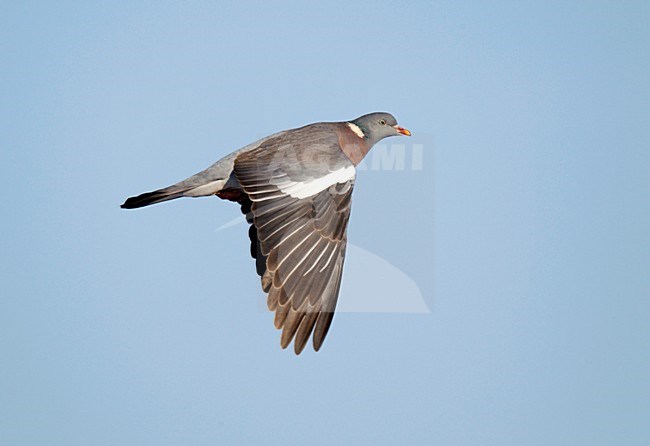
{"x":150,"y":198}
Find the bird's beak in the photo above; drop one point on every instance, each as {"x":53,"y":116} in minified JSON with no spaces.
{"x":402,"y":130}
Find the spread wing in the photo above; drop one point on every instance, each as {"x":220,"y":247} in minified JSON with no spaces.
{"x":299,"y":207}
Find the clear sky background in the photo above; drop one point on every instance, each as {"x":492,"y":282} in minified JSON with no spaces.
{"x":526,"y":231}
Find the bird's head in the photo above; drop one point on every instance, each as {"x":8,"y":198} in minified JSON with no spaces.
{"x":377,"y":126}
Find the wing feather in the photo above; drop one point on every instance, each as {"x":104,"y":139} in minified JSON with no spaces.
{"x":300,"y":239}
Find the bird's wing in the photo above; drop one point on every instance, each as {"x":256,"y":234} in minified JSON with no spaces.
{"x":300,"y":195}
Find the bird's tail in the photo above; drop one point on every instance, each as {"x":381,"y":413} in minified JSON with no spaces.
{"x":157,"y":196}
{"x":195,"y":186}
{"x":205,"y":183}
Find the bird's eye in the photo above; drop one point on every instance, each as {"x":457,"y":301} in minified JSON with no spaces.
{"x":382,"y":122}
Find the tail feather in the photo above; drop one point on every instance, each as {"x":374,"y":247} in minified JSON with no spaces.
{"x":154,"y":197}
{"x":203,"y":184}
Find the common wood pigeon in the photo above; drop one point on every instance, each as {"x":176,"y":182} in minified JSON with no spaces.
{"x":295,"y":188}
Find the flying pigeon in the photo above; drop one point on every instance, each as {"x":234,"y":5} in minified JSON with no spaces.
{"x":295,"y":189}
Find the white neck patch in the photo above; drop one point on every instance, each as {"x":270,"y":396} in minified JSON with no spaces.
{"x":355,"y":128}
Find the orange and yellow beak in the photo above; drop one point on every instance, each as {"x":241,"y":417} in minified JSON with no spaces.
{"x":402,"y":130}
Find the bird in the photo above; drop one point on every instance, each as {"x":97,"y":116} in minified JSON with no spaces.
{"x":295,"y":189}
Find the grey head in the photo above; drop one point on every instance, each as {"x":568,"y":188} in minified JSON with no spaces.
{"x":379,"y":125}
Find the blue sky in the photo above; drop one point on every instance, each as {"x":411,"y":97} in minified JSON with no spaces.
{"x":525,"y":233}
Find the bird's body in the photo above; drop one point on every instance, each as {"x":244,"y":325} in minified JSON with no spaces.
{"x":295,"y":188}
